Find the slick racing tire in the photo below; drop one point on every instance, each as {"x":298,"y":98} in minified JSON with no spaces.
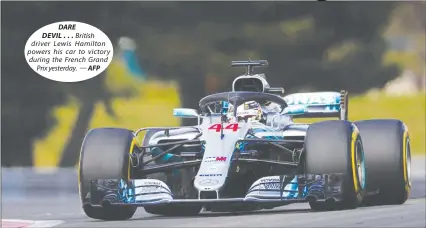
{"x":173,"y":210}
{"x":335,"y":146}
{"x":105,"y":154}
{"x":388,"y":161}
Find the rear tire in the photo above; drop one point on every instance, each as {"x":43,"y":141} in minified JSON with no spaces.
{"x":388,"y":156}
{"x":105,"y":154}
{"x":335,"y":147}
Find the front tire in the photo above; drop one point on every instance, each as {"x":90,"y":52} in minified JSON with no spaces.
{"x":388,"y":156}
{"x":105,"y":154}
{"x":335,"y":147}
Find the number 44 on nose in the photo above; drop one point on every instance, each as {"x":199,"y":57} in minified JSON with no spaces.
{"x":218,"y":127}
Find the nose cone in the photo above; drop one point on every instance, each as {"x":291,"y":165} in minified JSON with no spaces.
{"x":217,"y":155}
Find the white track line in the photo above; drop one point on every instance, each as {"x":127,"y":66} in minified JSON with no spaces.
{"x":15,"y":223}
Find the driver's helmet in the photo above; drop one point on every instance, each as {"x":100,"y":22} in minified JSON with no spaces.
{"x":249,"y":111}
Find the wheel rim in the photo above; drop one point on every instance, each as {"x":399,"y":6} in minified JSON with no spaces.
{"x":360,"y":163}
{"x":408,"y":161}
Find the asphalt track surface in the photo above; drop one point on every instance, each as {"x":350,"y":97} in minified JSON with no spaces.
{"x":66,"y":208}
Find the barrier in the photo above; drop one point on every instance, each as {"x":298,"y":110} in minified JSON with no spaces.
{"x":22,"y":183}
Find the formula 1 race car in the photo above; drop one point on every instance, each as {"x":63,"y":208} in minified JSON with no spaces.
{"x":228,"y":162}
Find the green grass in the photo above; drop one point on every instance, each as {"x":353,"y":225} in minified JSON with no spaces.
{"x":410,"y":109}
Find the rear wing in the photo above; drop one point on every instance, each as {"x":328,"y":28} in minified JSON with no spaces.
{"x":317,"y":105}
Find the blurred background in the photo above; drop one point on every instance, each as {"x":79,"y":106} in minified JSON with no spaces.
{"x":171,"y":54}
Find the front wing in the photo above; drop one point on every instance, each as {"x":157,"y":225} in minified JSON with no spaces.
{"x":283,"y":190}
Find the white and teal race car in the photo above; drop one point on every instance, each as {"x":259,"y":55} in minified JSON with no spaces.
{"x":226,"y":164}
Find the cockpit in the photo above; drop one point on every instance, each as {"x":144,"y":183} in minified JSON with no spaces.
{"x":250,"y":82}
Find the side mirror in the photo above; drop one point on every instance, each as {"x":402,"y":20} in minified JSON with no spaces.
{"x":185,"y":113}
